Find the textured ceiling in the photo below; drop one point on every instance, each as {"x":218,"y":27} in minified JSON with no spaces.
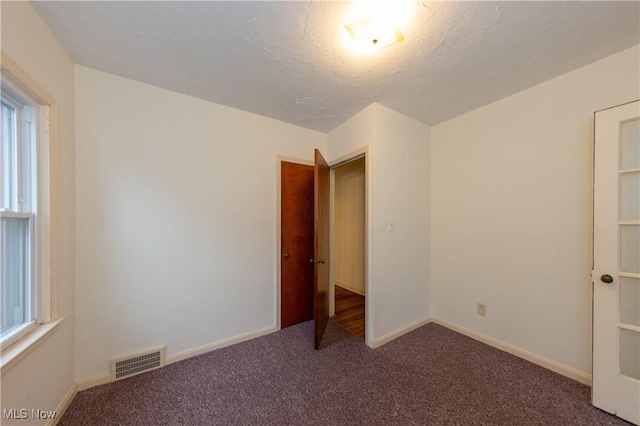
{"x":287,"y":60}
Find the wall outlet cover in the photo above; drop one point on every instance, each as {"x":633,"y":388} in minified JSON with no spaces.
{"x":482,"y":309}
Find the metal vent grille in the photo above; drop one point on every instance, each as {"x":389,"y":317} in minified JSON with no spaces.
{"x":133,"y":364}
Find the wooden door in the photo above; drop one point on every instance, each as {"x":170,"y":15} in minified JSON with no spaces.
{"x":320,"y":258}
{"x":616,"y":266}
{"x":296,"y":241}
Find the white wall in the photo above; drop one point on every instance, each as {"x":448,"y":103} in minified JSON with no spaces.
{"x":46,"y":375}
{"x":175,"y":218}
{"x":349,"y":228}
{"x":398,"y":169}
{"x":511,"y":211}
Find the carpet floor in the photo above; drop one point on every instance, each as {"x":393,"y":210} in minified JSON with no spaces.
{"x":431,"y":376}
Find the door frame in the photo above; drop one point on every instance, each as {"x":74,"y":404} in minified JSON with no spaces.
{"x":364,"y":151}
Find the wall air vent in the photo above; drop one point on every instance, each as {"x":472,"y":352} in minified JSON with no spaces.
{"x":132,"y":364}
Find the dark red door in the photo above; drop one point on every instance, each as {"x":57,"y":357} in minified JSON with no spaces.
{"x":296,"y":284}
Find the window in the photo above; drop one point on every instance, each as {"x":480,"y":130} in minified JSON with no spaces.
{"x":24,"y":183}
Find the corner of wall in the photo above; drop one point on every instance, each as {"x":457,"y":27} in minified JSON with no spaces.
{"x":28,"y":41}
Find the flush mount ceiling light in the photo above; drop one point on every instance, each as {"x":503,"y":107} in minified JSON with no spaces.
{"x":375,"y":24}
{"x":374,"y":32}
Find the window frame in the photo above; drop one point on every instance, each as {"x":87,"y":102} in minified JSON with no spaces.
{"x":20,"y":90}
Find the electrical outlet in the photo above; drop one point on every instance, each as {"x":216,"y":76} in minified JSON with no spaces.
{"x":482,"y":309}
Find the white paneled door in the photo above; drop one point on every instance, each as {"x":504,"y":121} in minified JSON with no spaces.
{"x":616,"y":267}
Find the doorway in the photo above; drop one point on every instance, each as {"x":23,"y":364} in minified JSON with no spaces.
{"x":349,"y":236}
{"x":303,"y":196}
{"x":305,"y":232}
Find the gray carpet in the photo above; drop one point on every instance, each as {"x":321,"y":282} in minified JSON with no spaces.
{"x":431,"y":376}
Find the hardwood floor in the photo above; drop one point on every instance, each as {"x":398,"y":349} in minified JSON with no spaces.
{"x":350,"y":311}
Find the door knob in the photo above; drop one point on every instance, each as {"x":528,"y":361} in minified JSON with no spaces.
{"x":606,"y":278}
{"x":287,"y":255}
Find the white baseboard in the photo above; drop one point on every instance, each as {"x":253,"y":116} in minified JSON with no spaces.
{"x":97,"y":380}
{"x":547,"y":363}
{"x":64,"y":404}
{"x":348,"y":287}
{"x":219,"y":344}
{"x":103,"y":378}
{"x":376,"y":343}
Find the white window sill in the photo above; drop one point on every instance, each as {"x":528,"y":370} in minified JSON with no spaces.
{"x":20,"y":349}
